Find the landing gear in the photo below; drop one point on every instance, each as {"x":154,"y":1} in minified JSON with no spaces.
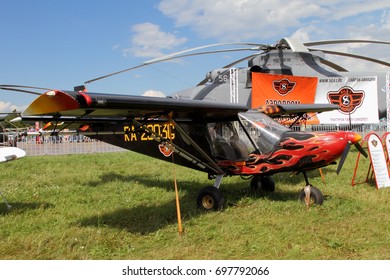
{"x":310,"y":195}
{"x":265,"y":183}
{"x":210,"y":198}
{"x":316,"y":196}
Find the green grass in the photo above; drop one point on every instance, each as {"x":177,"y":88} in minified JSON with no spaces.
{"x":122,"y":206}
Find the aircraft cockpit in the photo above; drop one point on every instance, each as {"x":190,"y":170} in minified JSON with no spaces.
{"x":263,"y":130}
{"x":253,"y":133}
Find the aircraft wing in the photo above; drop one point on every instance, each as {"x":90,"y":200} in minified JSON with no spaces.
{"x":295,"y":109}
{"x":152,"y":126}
{"x":97,"y":107}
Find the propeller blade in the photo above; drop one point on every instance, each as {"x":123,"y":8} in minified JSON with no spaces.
{"x":343,"y":157}
{"x":361,"y":150}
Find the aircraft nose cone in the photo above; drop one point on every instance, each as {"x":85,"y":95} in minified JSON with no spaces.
{"x":353,"y":137}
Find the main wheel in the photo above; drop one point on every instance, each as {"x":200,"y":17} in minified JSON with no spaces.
{"x":316,"y":196}
{"x":210,"y":198}
{"x":265,"y":183}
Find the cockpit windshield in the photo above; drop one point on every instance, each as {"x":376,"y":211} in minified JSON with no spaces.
{"x":264,"y":131}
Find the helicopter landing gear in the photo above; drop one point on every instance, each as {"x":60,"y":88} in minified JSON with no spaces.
{"x":210,"y":197}
{"x":310,"y":195}
{"x":264,"y":183}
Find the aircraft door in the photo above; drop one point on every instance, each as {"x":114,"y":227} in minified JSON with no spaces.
{"x":229,"y":141}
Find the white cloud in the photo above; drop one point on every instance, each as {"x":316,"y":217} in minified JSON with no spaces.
{"x":238,"y":19}
{"x":4,"y":106}
{"x":227,"y":20}
{"x":385,"y":20}
{"x":343,"y":9}
{"x":7,"y":107}
{"x":154,"y":93}
{"x":115,"y":47}
{"x":265,"y":21}
{"x":149,"y":41}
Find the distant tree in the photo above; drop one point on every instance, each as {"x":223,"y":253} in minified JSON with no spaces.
{"x":6,"y":124}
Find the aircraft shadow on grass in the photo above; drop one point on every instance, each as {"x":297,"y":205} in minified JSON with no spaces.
{"x":145,"y":219}
{"x":21,"y":207}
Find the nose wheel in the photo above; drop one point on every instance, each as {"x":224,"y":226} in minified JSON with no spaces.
{"x":310,"y":195}
{"x":315,"y":196}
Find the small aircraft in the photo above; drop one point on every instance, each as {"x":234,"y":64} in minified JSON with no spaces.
{"x":219,"y":139}
{"x":208,"y":126}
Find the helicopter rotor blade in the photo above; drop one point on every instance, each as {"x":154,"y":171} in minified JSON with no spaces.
{"x":172,"y":55}
{"x":353,"y":56}
{"x":20,"y":88}
{"x":186,"y":53}
{"x":343,"y":41}
{"x":333,"y":65}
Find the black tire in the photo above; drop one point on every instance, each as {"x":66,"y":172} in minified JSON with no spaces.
{"x":316,"y":196}
{"x":264,"y":183}
{"x":210,"y":198}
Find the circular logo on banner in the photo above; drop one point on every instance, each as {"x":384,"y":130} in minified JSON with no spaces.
{"x":284,"y":86}
{"x":347,"y":98}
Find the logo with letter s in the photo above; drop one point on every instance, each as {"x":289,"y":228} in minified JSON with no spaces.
{"x":348,"y":99}
{"x":283,"y":86}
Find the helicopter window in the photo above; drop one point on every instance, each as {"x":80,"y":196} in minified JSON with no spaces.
{"x":265,"y":132}
{"x":229,"y":141}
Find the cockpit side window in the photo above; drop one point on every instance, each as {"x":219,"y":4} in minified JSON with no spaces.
{"x":265,"y":132}
{"x":229,"y":141}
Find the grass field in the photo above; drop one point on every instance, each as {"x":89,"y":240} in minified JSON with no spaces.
{"x":122,"y":206}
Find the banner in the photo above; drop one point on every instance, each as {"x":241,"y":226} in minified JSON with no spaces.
{"x":282,"y":89}
{"x":356,"y":96}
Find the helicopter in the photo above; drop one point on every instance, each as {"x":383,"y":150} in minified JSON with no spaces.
{"x":287,"y":58}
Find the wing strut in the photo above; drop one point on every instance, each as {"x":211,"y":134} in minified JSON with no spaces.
{"x":176,"y":149}
{"x":196,"y":146}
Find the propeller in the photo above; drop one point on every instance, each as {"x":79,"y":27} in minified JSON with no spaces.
{"x":353,"y":139}
{"x":361,"y":150}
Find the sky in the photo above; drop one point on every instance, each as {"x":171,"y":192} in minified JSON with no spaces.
{"x":60,"y":44}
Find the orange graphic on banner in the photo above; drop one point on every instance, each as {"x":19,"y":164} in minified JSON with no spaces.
{"x":282,"y":89}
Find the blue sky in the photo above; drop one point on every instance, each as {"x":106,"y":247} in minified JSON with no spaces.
{"x":59,"y":44}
